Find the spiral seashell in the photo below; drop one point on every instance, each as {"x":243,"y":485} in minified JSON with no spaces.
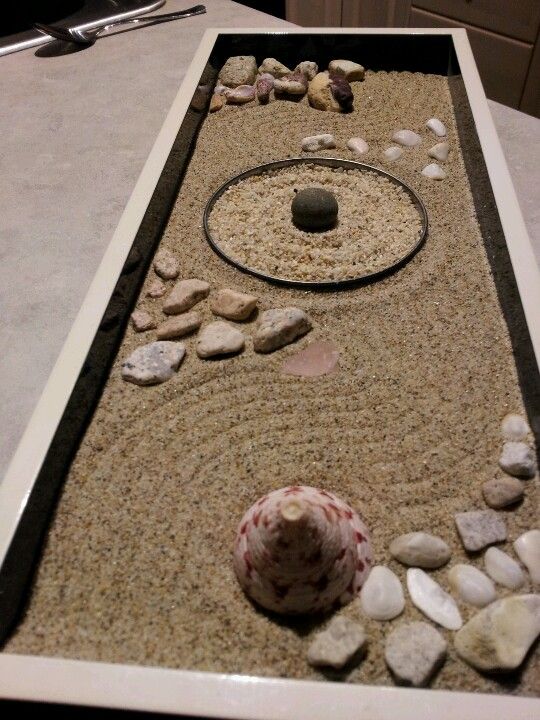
{"x":300,"y":550}
{"x":264,"y":87}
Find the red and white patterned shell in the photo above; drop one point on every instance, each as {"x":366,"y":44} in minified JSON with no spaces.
{"x":301,"y":550}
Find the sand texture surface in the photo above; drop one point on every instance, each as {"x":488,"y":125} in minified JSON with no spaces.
{"x":137,"y":567}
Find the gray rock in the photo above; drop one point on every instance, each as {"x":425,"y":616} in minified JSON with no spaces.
{"x":501,"y":492}
{"x":314,"y":143}
{"x":142,"y":321}
{"x":239,"y":70}
{"x":219,"y":338}
{"x":514,"y":428}
{"x":414,"y":652}
{"x":307,"y":68}
{"x":314,"y":209}
{"x":166,"y":266}
{"x":280,"y":327}
{"x":499,"y":636}
{"x":480,"y":528}
{"x":156,"y":289}
{"x":153,"y":363}
{"x":518,"y":459}
{"x":336,"y":646}
{"x":232,"y":305}
{"x":184,"y":295}
{"x":179,"y":325}
{"x":420,"y":549}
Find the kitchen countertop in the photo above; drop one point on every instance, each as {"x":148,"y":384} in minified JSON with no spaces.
{"x":76,"y":130}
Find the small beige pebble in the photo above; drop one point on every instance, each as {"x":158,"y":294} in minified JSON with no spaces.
{"x":346,"y":68}
{"x":527,"y":547}
{"x":480,"y":528}
{"x":358,"y":145}
{"x":336,"y":646}
{"x":307,"y":68}
{"x":503,"y":569}
{"x":278,"y":328}
{"x":518,"y":459}
{"x":501,"y":492}
{"x":219,"y":338}
{"x":179,"y":325}
{"x":420,"y":549}
{"x":514,"y":428}
{"x":232,"y":305}
{"x":273,"y":67}
{"x":166,"y":266}
{"x":142,"y":321}
{"x":216,"y":102}
{"x":184,"y":295}
{"x":156,"y":289}
{"x":238,"y":70}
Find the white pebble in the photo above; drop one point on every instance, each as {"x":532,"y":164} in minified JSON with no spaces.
{"x":318,"y":142}
{"x":407,"y":138}
{"x":392,"y":153}
{"x":503,"y":569}
{"x":436,"y":126}
{"x":153,"y":363}
{"x":382,"y":596}
{"x":527,"y":547}
{"x":440,"y":151}
{"x":358,"y":145}
{"x":434,"y":172}
{"x":518,"y":459}
{"x":432,"y":600}
{"x":514,"y":427}
{"x":336,"y":645}
{"x":219,"y":338}
{"x":471,"y":585}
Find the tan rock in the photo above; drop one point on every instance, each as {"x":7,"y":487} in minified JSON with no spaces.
{"x":156,"y":289}
{"x":232,"y":305}
{"x":184,"y":295}
{"x":347,"y":69}
{"x":178,"y":326}
{"x":165,"y":265}
{"x":216,"y":102}
{"x":320,"y":95}
{"x":273,"y":67}
{"x":219,"y":338}
{"x":503,"y":491}
{"x":239,"y":70}
{"x":307,"y":68}
{"x":142,"y":321}
{"x":280,"y":327}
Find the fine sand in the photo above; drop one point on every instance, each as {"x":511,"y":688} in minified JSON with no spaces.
{"x":137,"y":566}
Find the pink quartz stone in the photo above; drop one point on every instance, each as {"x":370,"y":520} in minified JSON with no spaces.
{"x":319,"y":358}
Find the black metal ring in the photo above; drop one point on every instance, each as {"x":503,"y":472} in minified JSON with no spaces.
{"x":315,"y":284}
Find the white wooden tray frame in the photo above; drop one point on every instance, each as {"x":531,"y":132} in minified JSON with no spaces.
{"x":215,"y":695}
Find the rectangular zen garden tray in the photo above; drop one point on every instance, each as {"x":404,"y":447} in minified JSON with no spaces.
{"x":416,"y":331}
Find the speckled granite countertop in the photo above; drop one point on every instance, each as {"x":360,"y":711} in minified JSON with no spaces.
{"x":72,"y":149}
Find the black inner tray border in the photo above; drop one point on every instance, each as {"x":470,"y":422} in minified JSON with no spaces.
{"x":386,"y":52}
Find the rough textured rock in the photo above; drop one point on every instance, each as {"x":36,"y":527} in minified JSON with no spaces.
{"x":165,"y":265}
{"x":314,"y":143}
{"x":503,"y":569}
{"x":527,"y":548}
{"x":514,"y":428}
{"x":414,"y":652}
{"x":279,"y":327}
{"x":358,"y":145}
{"x":382,"y":596}
{"x":217,"y":102}
{"x":241,"y":94}
{"x":337,"y":645}
{"x":314,"y":209}
{"x":219,"y":338}
{"x":420,"y":549}
{"x":307,"y":68}
{"x":319,"y":358}
{"x":320,"y":95}
{"x":500,"y":635}
{"x":263,"y":87}
{"x":232,"y":305}
{"x":273,"y":67}
{"x":432,"y":600}
{"x":406,"y":137}
{"x":179,"y":325}
{"x":153,"y":363}
{"x":292,"y":84}
{"x":480,"y":528}
{"x":351,"y":71}
{"x":184,"y":295}
{"x":518,"y":459}
{"x":440,"y":151}
{"x":142,"y":321}
{"x":238,"y":70}
{"x":156,"y":289}
{"x":471,"y":585}
{"x":503,"y":491}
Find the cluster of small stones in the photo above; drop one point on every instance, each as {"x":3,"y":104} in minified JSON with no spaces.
{"x":495,"y":639}
{"x":240,"y":81}
{"x":157,"y":361}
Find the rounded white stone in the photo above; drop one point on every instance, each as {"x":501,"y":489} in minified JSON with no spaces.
{"x":527,"y":547}
{"x":420,"y":549}
{"x":382,"y":596}
{"x":407,"y":138}
{"x":153,"y":363}
{"x":432,"y":600}
{"x":440,"y":151}
{"x":434,"y":172}
{"x":313,"y":143}
{"x":503,"y":569}
{"x":471,"y":585}
{"x":514,"y":427}
{"x":518,"y":459}
{"x":392,"y":153}
{"x":436,"y":126}
{"x":358,"y":145}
